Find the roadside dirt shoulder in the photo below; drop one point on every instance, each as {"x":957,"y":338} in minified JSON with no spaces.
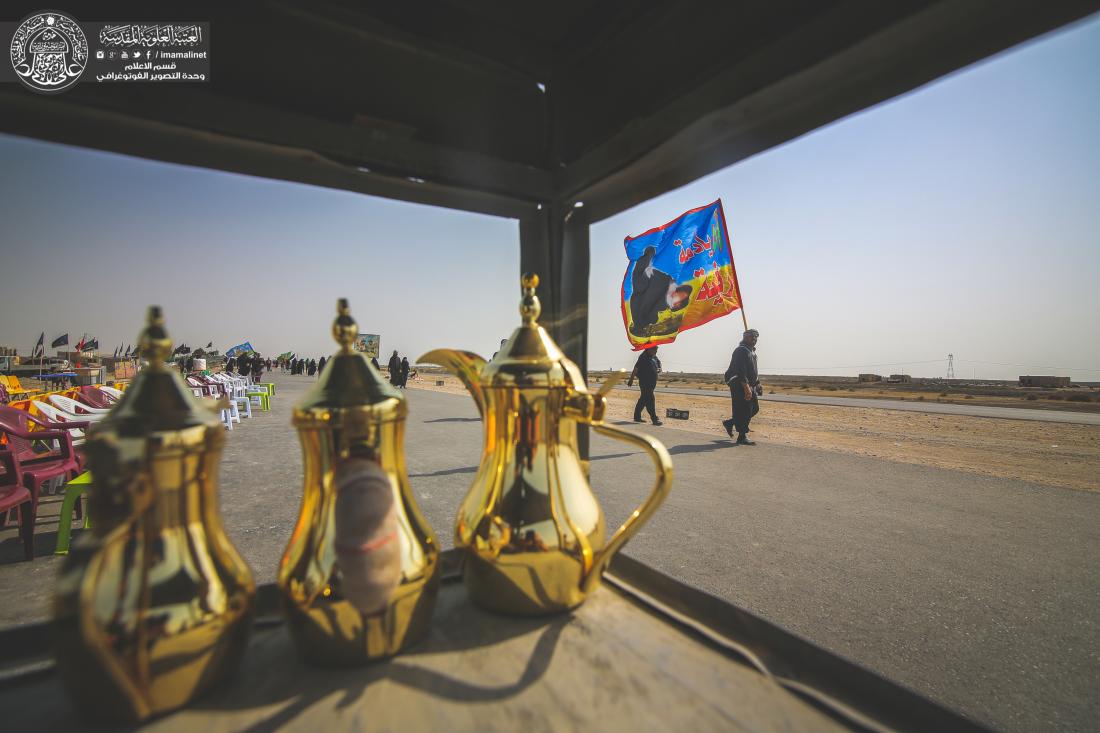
{"x":1048,"y":453}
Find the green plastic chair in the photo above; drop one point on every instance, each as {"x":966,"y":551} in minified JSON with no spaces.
{"x":264,"y":397}
{"x":270,"y":387}
{"x":73,"y":490}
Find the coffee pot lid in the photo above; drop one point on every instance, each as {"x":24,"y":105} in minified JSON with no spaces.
{"x":349,"y":380}
{"x":531,"y":358}
{"x":157,"y":400}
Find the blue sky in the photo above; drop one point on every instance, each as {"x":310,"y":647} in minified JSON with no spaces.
{"x":961,"y":218}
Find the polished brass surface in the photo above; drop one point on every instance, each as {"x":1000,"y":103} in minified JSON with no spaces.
{"x":531,"y":529}
{"x":353,"y":412}
{"x":155,"y":606}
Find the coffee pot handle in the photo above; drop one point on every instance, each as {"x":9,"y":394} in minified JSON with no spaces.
{"x":662,"y":464}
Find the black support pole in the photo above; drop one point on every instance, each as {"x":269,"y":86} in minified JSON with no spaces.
{"x":554,"y":244}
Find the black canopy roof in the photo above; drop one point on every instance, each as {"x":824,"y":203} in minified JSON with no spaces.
{"x":498,"y":106}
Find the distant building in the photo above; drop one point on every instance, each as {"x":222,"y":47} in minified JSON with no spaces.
{"x":898,"y":378}
{"x":75,"y":356}
{"x":870,"y":377}
{"x":1044,"y":381}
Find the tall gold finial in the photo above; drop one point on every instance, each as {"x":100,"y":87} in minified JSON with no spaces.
{"x":529,"y":306}
{"x":344,"y":328}
{"x":154,"y":343}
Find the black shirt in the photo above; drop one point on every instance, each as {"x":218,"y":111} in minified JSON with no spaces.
{"x":742,"y":366}
{"x":647,"y":368}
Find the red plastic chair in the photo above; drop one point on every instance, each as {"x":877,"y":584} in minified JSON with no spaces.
{"x":208,"y":390}
{"x":95,"y":397}
{"x":40,"y":466}
{"x":14,"y":495}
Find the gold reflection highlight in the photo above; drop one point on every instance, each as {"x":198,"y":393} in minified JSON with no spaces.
{"x":531,"y":529}
{"x":155,"y":606}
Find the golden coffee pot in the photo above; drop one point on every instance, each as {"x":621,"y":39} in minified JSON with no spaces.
{"x":530,"y":527}
{"x":156,"y":605}
{"x":360,"y":575}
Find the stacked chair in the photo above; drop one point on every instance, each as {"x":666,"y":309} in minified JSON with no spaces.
{"x":14,"y":495}
{"x":228,"y":415}
{"x":41,"y":432}
{"x":15,"y":390}
{"x":31,"y":459}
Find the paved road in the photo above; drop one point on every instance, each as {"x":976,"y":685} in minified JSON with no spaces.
{"x":981,"y":593}
{"x":1008,"y":413}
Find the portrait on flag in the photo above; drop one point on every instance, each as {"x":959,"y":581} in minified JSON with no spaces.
{"x":680,"y":275}
{"x":369,"y":344}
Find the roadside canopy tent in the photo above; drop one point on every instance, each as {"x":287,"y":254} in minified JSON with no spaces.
{"x":522,"y":109}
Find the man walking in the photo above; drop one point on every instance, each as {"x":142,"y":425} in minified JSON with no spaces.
{"x":744,"y":381}
{"x":646,"y":370}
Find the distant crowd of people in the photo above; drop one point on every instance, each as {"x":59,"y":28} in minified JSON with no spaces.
{"x":253,"y":365}
{"x":308,"y":367}
{"x":398,"y":367}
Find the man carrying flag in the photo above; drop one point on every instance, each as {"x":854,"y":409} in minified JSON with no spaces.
{"x":680,"y":276}
{"x":743,"y":378}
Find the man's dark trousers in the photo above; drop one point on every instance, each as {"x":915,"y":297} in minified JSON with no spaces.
{"x":647,"y":401}
{"x":743,"y":410}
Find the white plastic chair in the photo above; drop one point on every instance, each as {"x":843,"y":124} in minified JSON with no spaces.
{"x":82,"y":411}
{"x":116,"y":393}
{"x":53,"y":414}
{"x":242,"y":403}
{"x":228,"y":415}
{"x":234,"y":384}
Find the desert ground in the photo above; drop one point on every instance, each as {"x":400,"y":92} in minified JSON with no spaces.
{"x":1047,"y":453}
{"x":991,"y":393}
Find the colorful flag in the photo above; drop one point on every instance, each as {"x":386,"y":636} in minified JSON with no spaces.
{"x":680,"y":276}
{"x":245,"y":348}
{"x":62,"y":340}
{"x":80,"y":343}
{"x":39,"y":347}
{"x":91,"y":345}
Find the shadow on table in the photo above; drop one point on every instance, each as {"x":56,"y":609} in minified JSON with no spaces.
{"x":445,"y":472}
{"x":273,"y":672}
{"x":454,"y":419}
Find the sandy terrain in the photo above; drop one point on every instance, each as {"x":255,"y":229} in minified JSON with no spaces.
{"x":1080,"y":398}
{"x":1048,"y":453}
